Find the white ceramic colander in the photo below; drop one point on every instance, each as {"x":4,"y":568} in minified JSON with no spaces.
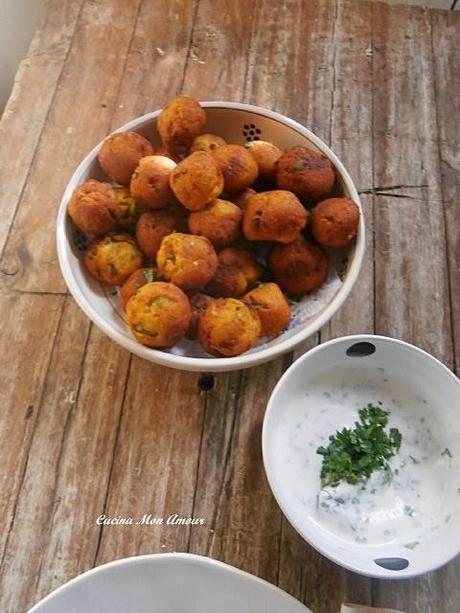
{"x":394,"y":528}
{"x":236,"y":123}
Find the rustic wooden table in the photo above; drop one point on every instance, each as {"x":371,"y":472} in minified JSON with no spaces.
{"x":86,"y":428}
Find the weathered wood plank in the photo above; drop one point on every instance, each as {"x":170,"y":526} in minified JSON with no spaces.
{"x":29,"y":325}
{"x":351,"y":140}
{"x":155,"y":461}
{"x":446,"y":58}
{"x":83,"y":466}
{"x":36,"y":499}
{"x":246,"y":519}
{"x":25,"y":114}
{"x":412,"y":297}
{"x":79,"y":117}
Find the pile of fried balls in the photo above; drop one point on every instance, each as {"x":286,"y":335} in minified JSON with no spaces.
{"x":209,"y":240}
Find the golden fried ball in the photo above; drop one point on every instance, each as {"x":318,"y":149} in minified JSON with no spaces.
{"x":307,"y":173}
{"x":219,"y":221}
{"x":228,"y":327}
{"x":158,"y":314}
{"x":207,"y":142}
{"x":188,"y":261}
{"x":236,"y":273}
{"x":299,"y":267}
{"x":198,"y":302}
{"x":197,"y":180}
{"x":153,"y":226}
{"x":271,"y":306}
{"x":335,"y":221}
{"x":120,"y":154}
{"x":179,"y":123}
{"x":238,"y":167}
{"x":128,"y":212}
{"x":267,"y":156}
{"x":150,"y":182}
{"x":242,"y":198}
{"x":113,"y":259}
{"x":276,"y":215}
{"x":139,"y":278}
{"x":94,"y":207}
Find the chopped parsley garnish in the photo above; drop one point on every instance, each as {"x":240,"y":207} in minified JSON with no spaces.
{"x":354,"y":454}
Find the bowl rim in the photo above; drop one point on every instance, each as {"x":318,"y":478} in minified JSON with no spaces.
{"x":159,"y":557}
{"x":378,"y":573}
{"x":211,"y":364}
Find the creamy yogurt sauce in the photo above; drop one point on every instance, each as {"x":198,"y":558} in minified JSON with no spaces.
{"x":381,"y":510}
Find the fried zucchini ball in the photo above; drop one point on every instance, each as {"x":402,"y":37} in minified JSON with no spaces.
{"x":94,"y":207}
{"x":197,"y":180}
{"x":299,"y":267}
{"x":276,"y":215}
{"x":158,"y":314}
{"x":139,"y":278}
{"x":129,"y":212}
{"x":228,"y":327}
{"x":307,"y":173}
{"x":236,"y":273}
{"x":238,"y":167}
{"x":219,"y":221}
{"x":150,"y":182}
{"x":271,"y":306}
{"x":113,"y":259}
{"x":243,"y":197}
{"x":120,"y":154}
{"x":207,"y":142}
{"x":267,"y":156}
{"x":198,"y":302}
{"x":153,"y":226}
{"x":188,"y":261}
{"x":335,"y":221}
{"x":179,"y":123}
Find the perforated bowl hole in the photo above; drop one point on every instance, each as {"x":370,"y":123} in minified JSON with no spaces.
{"x":79,"y":240}
{"x":360,"y":350}
{"x":392,"y":563}
{"x":251,"y":132}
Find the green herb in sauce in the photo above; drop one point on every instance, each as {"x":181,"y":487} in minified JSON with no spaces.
{"x":354,"y":454}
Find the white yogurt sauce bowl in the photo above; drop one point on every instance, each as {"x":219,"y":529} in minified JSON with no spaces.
{"x":399,"y":528}
{"x":168,"y":583}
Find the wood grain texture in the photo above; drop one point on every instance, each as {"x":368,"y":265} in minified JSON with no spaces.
{"x":85,"y":429}
{"x":79,"y":117}
{"x":29,"y":531}
{"x":29,"y":325}
{"x":445,"y":41}
{"x":412,"y":299}
{"x":22,"y":123}
{"x":155,"y":462}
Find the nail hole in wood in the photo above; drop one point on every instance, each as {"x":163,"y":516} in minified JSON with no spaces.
{"x":206,"y":382}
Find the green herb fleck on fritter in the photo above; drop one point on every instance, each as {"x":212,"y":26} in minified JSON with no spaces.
{"x":149,"y":275}
{"x":354,"y":454}
{"x":298,"y":165}
{"x":143,"y":330}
